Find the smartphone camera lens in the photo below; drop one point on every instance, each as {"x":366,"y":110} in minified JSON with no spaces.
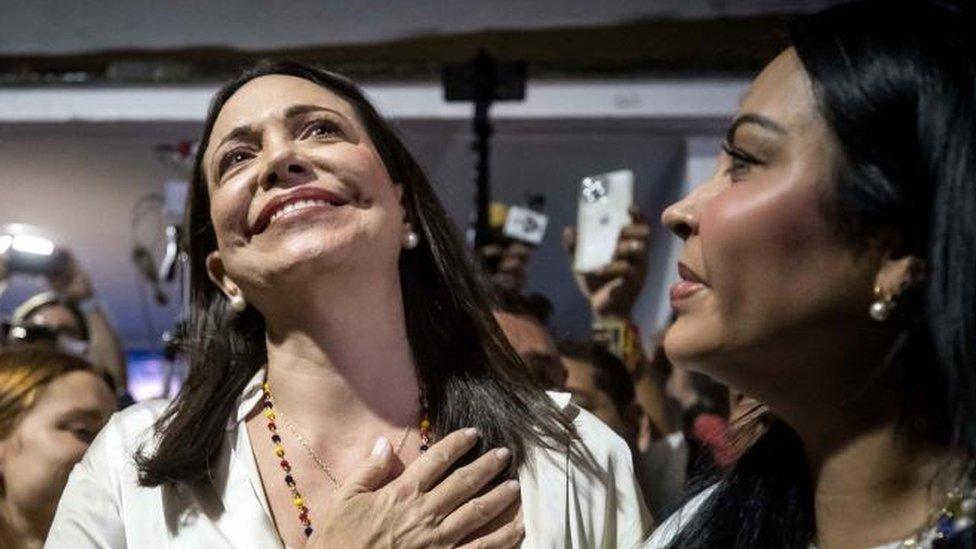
{"x":594,"y":189}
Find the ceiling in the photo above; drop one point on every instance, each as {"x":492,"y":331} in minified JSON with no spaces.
{"x":66,"y":42}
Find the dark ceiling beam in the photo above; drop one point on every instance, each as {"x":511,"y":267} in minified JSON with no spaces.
{"x":714,"y":47}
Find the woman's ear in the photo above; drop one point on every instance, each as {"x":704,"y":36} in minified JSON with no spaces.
{"x":218,"y":275}
{"x":401,"y":197}
{"x":898,"y":274}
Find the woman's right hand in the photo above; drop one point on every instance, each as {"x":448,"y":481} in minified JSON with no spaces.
{"x":419,"y":508}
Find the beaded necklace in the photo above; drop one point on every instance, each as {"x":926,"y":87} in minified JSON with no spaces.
{"x":296,"y":496}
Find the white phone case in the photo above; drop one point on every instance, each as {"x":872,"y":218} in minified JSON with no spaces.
{"x":604,"y":201}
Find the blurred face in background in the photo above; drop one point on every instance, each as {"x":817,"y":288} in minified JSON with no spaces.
{"x":769,"y":288}
{"x":58,"y":319}
{"x":47,"y":440}
{"x":588,"y":394}
{"x":533,"y":343}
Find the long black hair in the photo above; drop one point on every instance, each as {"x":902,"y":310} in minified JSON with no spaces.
{"x":896,"y":84}
{"x":471,"y":375}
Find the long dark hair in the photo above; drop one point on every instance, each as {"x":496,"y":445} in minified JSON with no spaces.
{"x":896,"y":84}
{"x":471,"y":375}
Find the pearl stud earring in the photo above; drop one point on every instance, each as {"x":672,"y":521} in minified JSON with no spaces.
{"x":410,"y":240}
{"x":882,"y":306}
{"x":238,"y":304}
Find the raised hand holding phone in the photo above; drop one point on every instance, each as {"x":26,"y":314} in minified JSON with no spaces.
{"x":609,"y":245}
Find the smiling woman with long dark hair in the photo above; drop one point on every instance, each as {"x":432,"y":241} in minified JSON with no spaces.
{"x":333,"y":311}
{"x":828,"y":271}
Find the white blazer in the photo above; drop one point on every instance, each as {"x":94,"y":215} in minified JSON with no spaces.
{"x":104,"y":506}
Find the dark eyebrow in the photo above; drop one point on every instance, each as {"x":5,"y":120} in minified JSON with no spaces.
{"x":83,"y":414}
{"x":751,"y":118}
{"x":296,"y":110}
{"x":236,"y":133}
{"x":292,"y":111}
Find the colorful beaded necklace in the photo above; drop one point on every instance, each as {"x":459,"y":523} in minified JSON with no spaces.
{"x":296,"y":496}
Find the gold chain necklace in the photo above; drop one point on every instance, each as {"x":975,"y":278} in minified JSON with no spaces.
{"x":322,"y":465}
{"x":279,"y":449}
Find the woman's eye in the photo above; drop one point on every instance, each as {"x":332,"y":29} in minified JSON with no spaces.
{"x":320,"y":128}
{"x":231,"y":159}
{"x":739,"y":162}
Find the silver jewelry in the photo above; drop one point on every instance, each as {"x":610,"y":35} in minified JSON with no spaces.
{"x":410,"y":240}
{"x":238,"y":304}
{"x":882,"y":306}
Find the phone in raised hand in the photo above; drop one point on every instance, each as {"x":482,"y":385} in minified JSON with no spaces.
{"x":603,"y":209}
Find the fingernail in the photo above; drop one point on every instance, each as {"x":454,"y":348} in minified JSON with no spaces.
{"x":471,"y":432}
{"x":379,"y":448}
{"x":502,"y":453}
{"x":520,"y":527}
{"x":512,"y":485}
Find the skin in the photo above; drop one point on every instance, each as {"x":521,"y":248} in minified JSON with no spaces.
{"x":581,"y":382}
{"x":782,"y":313}
{"x":52,"y":436}
{"x":327,"y":284}
{"x":533,"y":342}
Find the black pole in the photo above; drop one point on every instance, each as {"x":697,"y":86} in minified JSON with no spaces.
{"x":484,"y":80}
{"x":484,"y":94}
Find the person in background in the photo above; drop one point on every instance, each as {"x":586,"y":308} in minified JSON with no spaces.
{"x":601,"y":384}
{"x":72,"y":317}
{"x":52,"y":405}
{"x":611,"y":293}
{"x":524,"y":321}
{"x":505,"y":261}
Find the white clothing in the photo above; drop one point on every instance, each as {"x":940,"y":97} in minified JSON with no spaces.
{"x":103,"y":505}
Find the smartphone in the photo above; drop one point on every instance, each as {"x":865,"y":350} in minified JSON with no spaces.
{"x":603,"y":209}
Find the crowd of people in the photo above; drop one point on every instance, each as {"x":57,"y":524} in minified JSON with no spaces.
{"x":357,"y":378}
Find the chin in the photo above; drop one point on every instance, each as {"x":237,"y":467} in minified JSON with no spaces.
{"x":691,"y":344}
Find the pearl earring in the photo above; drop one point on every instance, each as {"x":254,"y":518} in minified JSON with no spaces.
{"x":410,"y":240}
{"x":883,"y":304}
{"x":238,"y":304}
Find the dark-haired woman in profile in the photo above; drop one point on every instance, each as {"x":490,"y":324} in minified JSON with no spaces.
{"x":334,"y":311}
{"x":829,"y":270}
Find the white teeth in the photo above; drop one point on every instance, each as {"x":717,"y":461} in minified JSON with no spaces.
{"x":295,"y":206}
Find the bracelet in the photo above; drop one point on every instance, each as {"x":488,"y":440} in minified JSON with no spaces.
{"x":622,"y":339}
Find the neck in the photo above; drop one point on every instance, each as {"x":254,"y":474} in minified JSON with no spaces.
{"x":19,"y":528}
{"x":878,"y":487}
{"x":872,"y":484}
{"x":339,"y":360}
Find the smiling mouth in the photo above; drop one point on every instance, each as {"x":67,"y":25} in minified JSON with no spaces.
{"x":286,"y":206}
{"x":293,"y":207}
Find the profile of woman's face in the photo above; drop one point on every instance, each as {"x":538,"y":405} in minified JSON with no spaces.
{"x":297,"y":187}
{"x":50,"y":438}
{"x":766,"y":277}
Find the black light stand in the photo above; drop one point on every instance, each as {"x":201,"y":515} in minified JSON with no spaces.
{"x":484,"y":80}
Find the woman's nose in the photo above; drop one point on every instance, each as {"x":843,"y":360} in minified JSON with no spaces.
{"x":681,"y":218}
{"x":286,"y":168}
